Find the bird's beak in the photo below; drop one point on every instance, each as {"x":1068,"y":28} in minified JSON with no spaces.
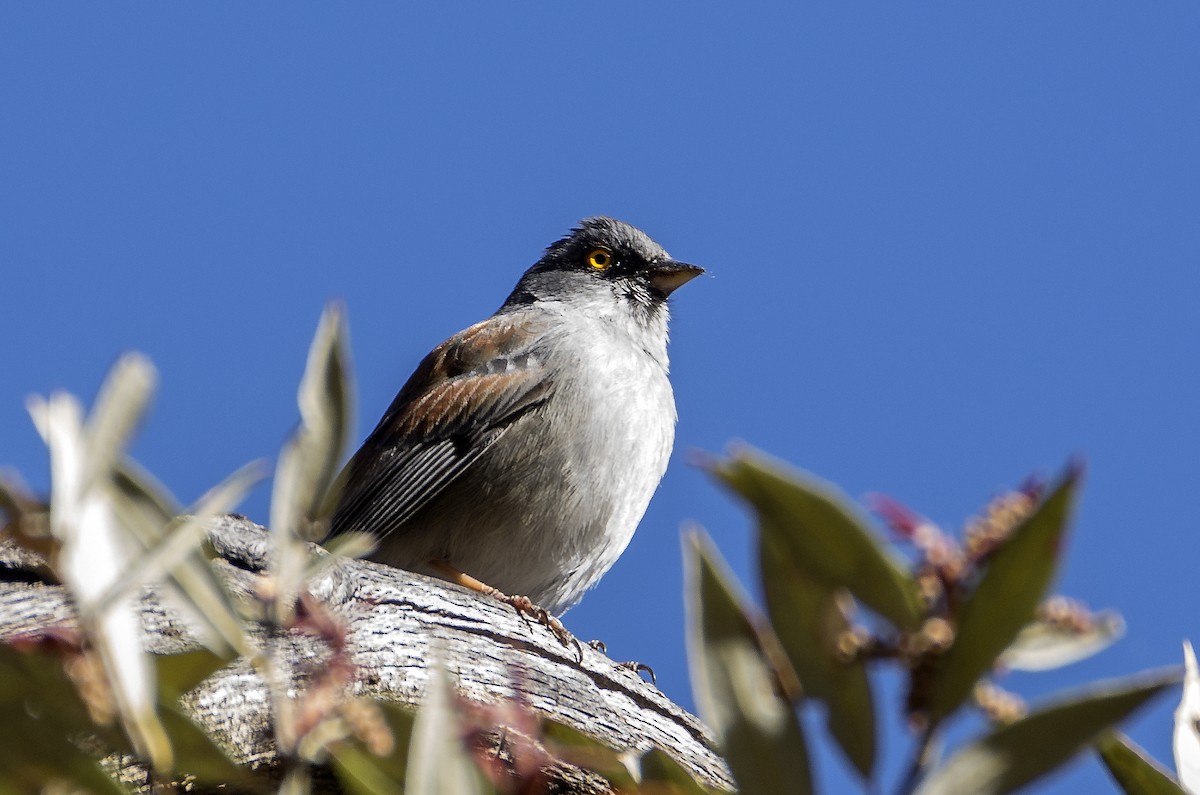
{"x":669,"y":275}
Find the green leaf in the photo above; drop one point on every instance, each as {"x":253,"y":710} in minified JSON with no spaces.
{"x":808,"y":618}
{"x":1134,"y":771}
{"x":197,"y":755}
{"x":1016,"y":579}
{"x":362,"y":773}
{"x":35,"y":757}
{"x":40,"y":710}
{"x":735,"y":685}
{"x":400,"y":720}
{"x":179,"y":673}
{"x":1016,"y":754}
{"x":576,"y":748}
{"x":825,"y":536}
{"x":658,"y":767}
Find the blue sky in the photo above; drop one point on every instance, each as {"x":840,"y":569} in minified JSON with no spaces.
{"x":950,"y":245}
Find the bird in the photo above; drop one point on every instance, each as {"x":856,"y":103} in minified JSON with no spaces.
{"x":521,"y":454}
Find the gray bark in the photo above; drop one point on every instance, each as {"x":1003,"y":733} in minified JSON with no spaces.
{"x":397,"y":623}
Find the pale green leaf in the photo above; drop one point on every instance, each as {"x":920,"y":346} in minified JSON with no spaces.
{"x":351,"y":545}
{"x":345,"y":545}
{"x":1043,"y":645}
{"x":183,"y":538}
{"x":823,"y":533}
{"x":311,"y":459}
{"x":735,"y":685}
{"x":438,"y":763}
{"x":1014,"y":755}
{"x":148,"y":510}
{"x":118,"y":411}
{"x":809,"y":619}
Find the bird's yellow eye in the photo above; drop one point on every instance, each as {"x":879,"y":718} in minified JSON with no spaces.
{"x":600,"y":258}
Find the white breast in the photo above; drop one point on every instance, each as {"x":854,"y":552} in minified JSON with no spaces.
{"x":623,"y":430}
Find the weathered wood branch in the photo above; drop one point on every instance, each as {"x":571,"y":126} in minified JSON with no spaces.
{"x":397,"y":623}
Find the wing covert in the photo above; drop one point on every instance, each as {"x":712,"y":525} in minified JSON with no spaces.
{"x":459,"y":402}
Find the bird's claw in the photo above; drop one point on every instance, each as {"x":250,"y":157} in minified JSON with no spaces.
{"x":637,"y":668}
{"x":526,"y":608}
{"x":632,"y":665}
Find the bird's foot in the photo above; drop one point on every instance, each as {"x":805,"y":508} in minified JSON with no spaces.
{"x":525,"y":607}
{"x":522,"y":604}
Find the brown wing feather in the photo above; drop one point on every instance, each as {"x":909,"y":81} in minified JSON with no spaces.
{"x":460,"y":401}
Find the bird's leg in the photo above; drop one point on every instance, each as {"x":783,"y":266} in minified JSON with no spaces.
{"x":522,"y":604}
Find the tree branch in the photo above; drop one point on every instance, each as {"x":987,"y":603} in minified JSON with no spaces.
{"x":396,"y":622}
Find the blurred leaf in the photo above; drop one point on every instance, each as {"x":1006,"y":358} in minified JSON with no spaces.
{"x":1016,"y":754}
{"x":311,"y":458}
{"x":197,"y":755}
{"x":296,"y":781}
{"x":362,"y":773}
{"x":808,"y":619}
{"x":39,"y":710}
{"x":438,"y":762}
{"x":138,"y":485}
{"x":400,"y":720}
{"x":97,"y":548}
{"x":658,"y":767}
{"x":345,"y":545}
{"x":118,"y":410}
{"x":1043,"y":645}
{"x":822,"y":532}
{"x":182,"y":538}
{"x":36,"y":758}
{"x":147,"y":509}
{"x":179,"y":673}
{"x":734,"y":684}
{"x":1132,"y":769}
{"x":1017,"y":576}
{"x":576,"y":748}
{"x":351,"y":545}
{"x":1186,"y":740}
